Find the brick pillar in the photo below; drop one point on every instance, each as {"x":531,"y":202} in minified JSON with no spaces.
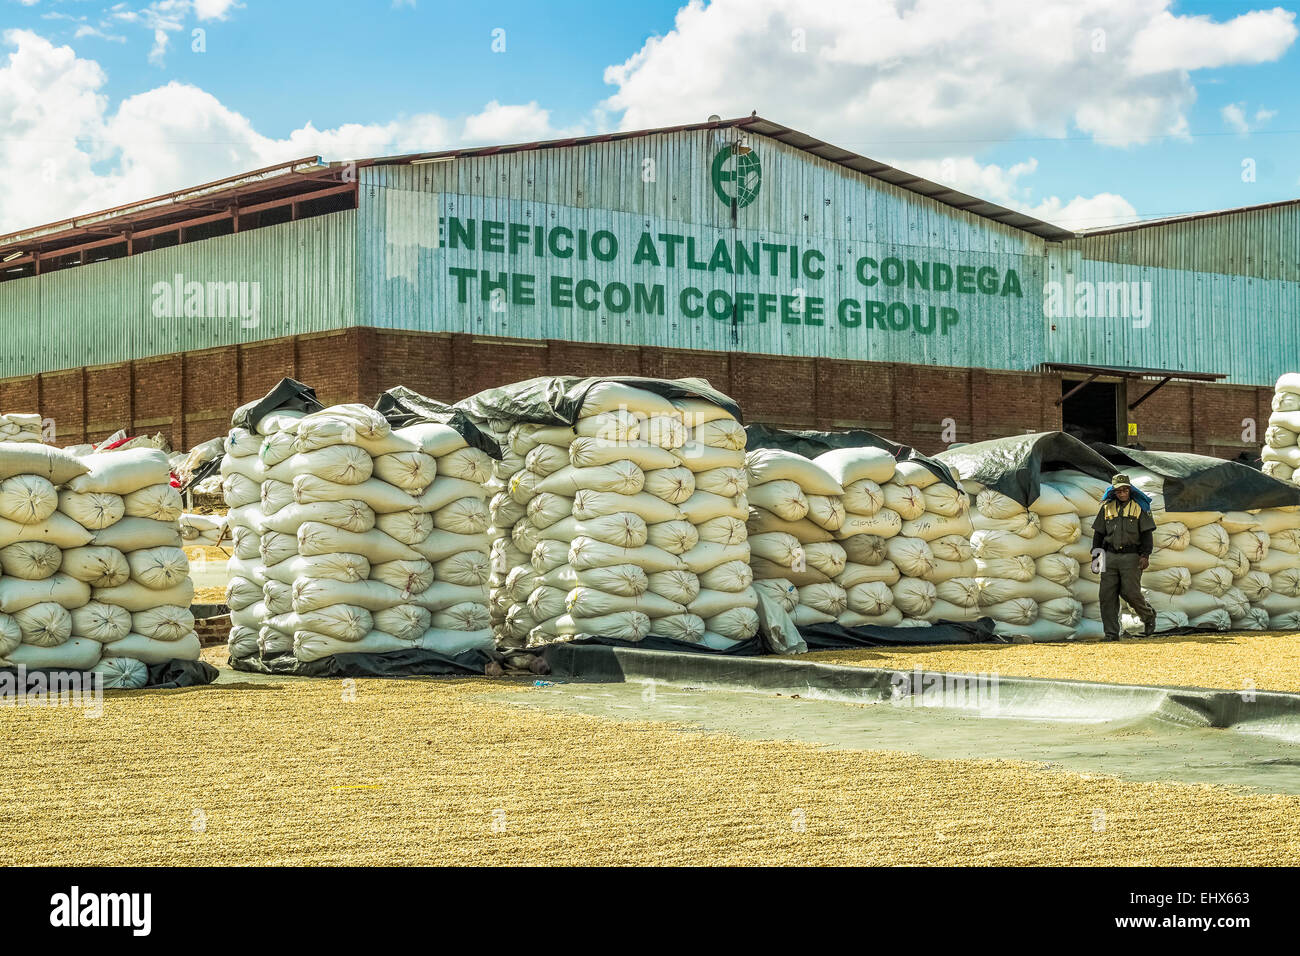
{"x":903,"y":383}
{"x":980,"y":396}
{"x":821,"y":419}
{"x":1197,"y":429}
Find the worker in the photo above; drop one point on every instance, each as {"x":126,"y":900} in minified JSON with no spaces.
{"x":1121,"y":547}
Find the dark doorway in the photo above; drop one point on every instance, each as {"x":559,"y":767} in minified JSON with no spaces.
{"x":1092,"y":413}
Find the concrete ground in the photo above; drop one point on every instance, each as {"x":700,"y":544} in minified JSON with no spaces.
{"x":1232,"y":660}
{"x":296,"y":771}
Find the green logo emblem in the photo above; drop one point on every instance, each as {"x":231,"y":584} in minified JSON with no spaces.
{"x":737,"y":175}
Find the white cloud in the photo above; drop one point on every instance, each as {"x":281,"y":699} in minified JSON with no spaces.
{"x":75,"y":153}
{"x":86,"y":30}
{"x":1084,"y":212}
{"x":213,"y":9}
{"x":1234,"y":115}
{"x":164,"y":17}
{"x":499,"y":123}
{"x":1169,"y":43}
{"x":1003,"y":185}
{"x":886,"y":76}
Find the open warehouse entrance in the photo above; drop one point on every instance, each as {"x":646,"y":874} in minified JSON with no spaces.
{"x":1098,"y":401}
{"x":1090,"y":411}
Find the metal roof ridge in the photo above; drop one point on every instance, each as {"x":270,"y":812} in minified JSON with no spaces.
{"x":1182,"y":217}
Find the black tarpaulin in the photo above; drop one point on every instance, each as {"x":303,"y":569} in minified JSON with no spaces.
{"x":402,"y":406}
{"x":165,"y":676}
{"x":810,"y":444}
{"x":1202,"y":483}
{"x":179,"y":673}
{"x":557,"y":400}
{"x":1014,"y":465}
{"x":288,"y":396}
{"x":415,"y":662}
{"x":210,"y":467}
{"x":832,"y":637}
{"x":752,"y":647}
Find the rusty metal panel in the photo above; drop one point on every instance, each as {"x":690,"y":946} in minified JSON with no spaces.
{"x":281,"y":280}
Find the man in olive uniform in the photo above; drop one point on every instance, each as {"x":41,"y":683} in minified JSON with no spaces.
{"x":1122,"y":532}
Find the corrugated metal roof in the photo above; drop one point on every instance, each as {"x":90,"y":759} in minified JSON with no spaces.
{"x":110,"y":218}
{"x":792,"y":137}
{"x":158,"y":205}
{"x":1183,"y":217}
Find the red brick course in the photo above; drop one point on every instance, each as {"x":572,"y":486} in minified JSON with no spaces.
{"x":189,"y":397}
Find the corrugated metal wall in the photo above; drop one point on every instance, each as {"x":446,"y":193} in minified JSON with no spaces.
{"x":1264,"y":243}
{"x":662,"y":183}
{"x":304,"y":273}
{"x":1224,"y":296}
{"x":1224,"y":291}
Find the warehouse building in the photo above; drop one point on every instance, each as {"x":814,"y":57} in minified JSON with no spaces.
{"x":818,"y":287}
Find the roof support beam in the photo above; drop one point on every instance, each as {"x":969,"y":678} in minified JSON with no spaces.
{"x":1086,"y":382}
{"x":1154,"y":389}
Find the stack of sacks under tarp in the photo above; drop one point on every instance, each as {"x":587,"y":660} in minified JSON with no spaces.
{"x":633,"y":524}
{"x":795,"y":512}
{"x":1281,"y":452}
{"x":1027,"y":568}
{"x":93,"y":571}
{"x":1196,"y":572}
{"x":1083,"y":492}
{"x":20,"y":427}
{"x":907,"y":537}
{"x":378,"y":535}
{"x":252,"y":597}
{"x":1218,"y":523}
{"x":1033,"y":508}
{"x":932,"y":549}
{"x":1272,"y":547}
{"x":868,"y":576}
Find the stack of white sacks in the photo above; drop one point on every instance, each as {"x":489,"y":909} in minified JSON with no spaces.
{"x":1028,"y":562}
{"x":1272,"y":547}
{"x":869,"y":575}
{"x":1083,"y":493}
{"x":20,"y":427}
{"x":93,"y":571}
{"x":1199,"y":572}
{"x":629,"y":522}
{"x":796,"y":510}
{"x":932,"y":550}
{"x":202,"y":530}
{"x":353,"y":537}
{"x":1281,"y":452}
{"x":890,"y":548}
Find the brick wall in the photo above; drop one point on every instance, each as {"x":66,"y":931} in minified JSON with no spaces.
{"x":189,"y":397}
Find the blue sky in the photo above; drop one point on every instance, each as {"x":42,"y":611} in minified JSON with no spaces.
{"x":1007,"y":99}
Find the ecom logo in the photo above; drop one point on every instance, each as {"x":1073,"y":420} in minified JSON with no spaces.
{"x":737,"y":175}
